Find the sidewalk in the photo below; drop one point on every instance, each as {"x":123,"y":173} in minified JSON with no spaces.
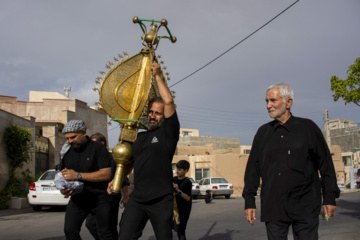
{"x":350,"y":190}
{"x":8,"y":212}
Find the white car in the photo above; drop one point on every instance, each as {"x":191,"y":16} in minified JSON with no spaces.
{"x":43,"y":192}
{"x":217,"y":185}
{"x":195,"y":190}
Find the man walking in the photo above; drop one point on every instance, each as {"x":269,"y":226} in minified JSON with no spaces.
{"x":288,"y":154}
{"x":153,"y":150}
{"x":91,"y":224}
{"x":87,"y":161}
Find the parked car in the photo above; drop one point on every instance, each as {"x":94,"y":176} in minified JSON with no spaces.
{"x":218,"y":186}
{"x":195,"y":189}
{"x":43,"y":192}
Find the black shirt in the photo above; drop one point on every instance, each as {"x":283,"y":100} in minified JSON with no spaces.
{"x":287,"y":158}
{"x":90,"y":158}
{"x":185,"y":185}
{"x":153,"y":152}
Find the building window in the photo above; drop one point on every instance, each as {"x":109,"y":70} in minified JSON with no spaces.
{"x":347,"y":161}
{"x":201,"y":173}
{"x":247,"y":151}
{"x":185,"y":134}
{"x":173,"y":167}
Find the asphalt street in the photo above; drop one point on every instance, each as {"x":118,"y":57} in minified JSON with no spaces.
{"x":223,"y":219}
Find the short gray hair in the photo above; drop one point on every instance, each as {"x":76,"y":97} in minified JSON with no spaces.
{"x":285,"y":90}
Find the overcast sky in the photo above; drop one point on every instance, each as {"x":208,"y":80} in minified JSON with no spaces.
{"x":47,"y":45}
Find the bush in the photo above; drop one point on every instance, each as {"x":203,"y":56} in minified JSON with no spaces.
{"x":17,"y":141}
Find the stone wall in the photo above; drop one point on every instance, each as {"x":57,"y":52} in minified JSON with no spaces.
{"x":218,"y":143}
{"x":347,"y":138}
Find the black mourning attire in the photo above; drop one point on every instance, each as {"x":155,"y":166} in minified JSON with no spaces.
{"x":152,"y":197}
{"x":94,"y":199}
{"x":288,"y":158}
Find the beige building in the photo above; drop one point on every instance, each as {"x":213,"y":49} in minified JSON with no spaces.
{"x":186,"y":132}
{"x":207,"y":162}
{"x":345,"y":134}
{"x":230,"y":163}
{"x":47,"y":113}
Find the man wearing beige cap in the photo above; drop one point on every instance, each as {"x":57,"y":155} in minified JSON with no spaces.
{"x":87,"y":161}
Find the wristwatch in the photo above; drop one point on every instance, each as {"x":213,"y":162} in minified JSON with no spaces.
{"x":78,"y":177}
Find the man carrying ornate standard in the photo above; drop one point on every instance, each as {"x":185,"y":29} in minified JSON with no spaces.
{"x":153,"y":150}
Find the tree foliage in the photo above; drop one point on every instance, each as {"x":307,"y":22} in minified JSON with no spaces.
{"x":18,"y":146}
{"x":349,"y":88}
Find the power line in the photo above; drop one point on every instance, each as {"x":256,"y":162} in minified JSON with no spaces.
{"x":235,"y":45}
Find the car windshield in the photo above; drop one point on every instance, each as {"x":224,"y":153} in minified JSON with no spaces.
{"x":218,"y":180}
{"x":192,"y":180}
{"x":50,"y":175}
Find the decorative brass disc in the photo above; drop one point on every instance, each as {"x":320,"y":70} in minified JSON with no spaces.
{"x":126,"y":88}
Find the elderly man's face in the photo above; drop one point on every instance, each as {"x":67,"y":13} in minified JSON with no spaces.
{"x":76,"y":139}
{"x":155,"y":115}
{"x":275,"y":104}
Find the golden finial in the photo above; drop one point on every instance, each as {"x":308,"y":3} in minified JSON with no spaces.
{"x":95,"y":89}
{"x":125,"y":54}
{"x":172,"y":92}
{"x":168,"y":78}
{"x":108,"y":66}
{"x":116,"y":59}
{"x":164,"y":68}
{"x":158,"y":56}
{"x":97,"y":81}
{"x":109,"y":122}
{"x":98,"y":78}
{"x":167,"y":74}
{"x":161,"y":62}
{"x":111,"y":63}
{"x":102,"y":72}
{"x":120,"y":56}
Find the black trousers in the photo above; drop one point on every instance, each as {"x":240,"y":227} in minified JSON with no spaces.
{"x":76,"y":212}
{"x":136,"y":215}
{"x":184,"y":217}
{"x":306,"y":229}
{"x":91,"y":218}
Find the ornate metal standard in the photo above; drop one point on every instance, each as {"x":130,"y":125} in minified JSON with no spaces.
{"x":125,"y":91}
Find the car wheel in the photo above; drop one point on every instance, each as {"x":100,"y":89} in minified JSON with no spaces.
{"x":37,"y":208}
{"x":227,"y":196}
{"x":195,"y":197}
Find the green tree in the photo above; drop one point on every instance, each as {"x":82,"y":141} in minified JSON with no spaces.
{"x":18,"y":148}
{"x":348,"y":89}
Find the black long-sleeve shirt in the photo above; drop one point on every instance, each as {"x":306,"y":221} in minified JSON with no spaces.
{"x":288,"y":158}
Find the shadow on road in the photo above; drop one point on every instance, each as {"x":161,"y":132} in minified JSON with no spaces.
{"x":54,"y":238}
{"x":218,"y":236}
{"x":348,"y":205}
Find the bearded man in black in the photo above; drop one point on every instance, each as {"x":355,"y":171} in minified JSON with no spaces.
{"x":89,"y":162}
{"x":153,"y":150}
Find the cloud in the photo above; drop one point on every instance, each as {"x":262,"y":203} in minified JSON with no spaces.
{"x":47,"y":45}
